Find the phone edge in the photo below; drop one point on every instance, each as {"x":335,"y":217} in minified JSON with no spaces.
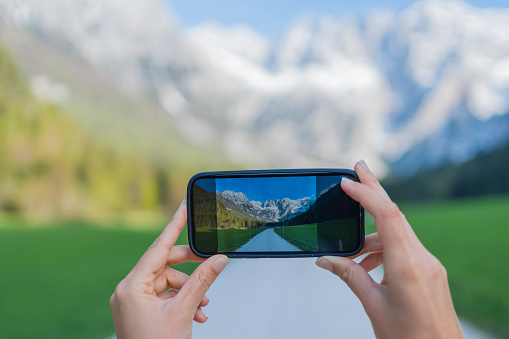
{"x":269,"y":171}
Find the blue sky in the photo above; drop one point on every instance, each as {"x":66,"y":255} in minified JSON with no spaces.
{"x":270,"y":188}
{"x":271,"y":18}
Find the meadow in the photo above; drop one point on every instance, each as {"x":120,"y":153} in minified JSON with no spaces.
{"x":470,"y":238}
{"x":302,"y":236}
{"x":56,"y":281}
{"x":231,"y":239}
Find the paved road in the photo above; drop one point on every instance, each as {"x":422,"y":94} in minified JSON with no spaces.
{"x":265,"y":241}
{"x":286,"y":298}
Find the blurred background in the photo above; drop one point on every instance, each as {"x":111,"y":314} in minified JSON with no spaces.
{"x":107,"y":108}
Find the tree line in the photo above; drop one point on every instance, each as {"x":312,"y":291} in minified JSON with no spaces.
{"x":485,"y":174}
{"x":51,"y":166}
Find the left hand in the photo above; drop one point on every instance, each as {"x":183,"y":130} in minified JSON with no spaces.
{"x":143,"y":307}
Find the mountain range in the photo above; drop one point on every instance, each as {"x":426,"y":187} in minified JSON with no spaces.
{"x":332,"y":204}
{"x":274,"y":210}
{"x":408,"y":90}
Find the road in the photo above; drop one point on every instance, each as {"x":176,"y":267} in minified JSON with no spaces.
{"x":265,"y":241}
{"x":286,"y":298}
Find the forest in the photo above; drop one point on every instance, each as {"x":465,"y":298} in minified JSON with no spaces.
{"x":54,"y":167}
{"x":211,"y":212}
{"x":485,"y":174}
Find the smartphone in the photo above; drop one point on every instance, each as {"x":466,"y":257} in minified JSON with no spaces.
{"x":273,"y":213}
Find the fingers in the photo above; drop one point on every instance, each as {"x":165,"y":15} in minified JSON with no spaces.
{"x":353,"y":274}
{"x":168,"y":294}
{"x":372,"y":261}
{"x":372,"y":243}
{"x":180,"y":254}
{"x":199,"y":282}
{"x":199,"y":316}
{"x":156,"y":256}
{"x":395,"y":233}
{"x":367,"y":177}
{"x":373,"y":201}
{"x":390,"y":223}
{"x":204,"y":301}
{"x":170,"y":278}
{"x":171,"y":293}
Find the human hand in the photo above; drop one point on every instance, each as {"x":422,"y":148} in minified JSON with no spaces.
{"x":413,"y":299}
{"x":142,"y":307}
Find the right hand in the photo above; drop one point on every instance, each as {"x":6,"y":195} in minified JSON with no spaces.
{"x":413,"y":299}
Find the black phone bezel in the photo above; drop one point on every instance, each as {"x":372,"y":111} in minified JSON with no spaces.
{"x":260,"y":173}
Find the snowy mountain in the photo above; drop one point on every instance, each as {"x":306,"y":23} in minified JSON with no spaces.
{"x":406,"y":90}
{"x":269,"y":210}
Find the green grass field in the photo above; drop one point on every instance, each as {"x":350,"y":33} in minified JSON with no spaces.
{"x":228,"y":239}
{"x":470,"y":239}
{"x":231,"y":239}
{"x":302,"y":236}
{"x":56,"y":282}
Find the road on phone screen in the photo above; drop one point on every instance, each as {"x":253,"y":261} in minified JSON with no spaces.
{"x":266,"y":241}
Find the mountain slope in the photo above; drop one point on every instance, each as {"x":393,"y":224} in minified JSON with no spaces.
{"x":391,"y":87}
{"x":54,"y":166}
{"x":50,"y":167}
{"x":331,"y":205}
{"x":269,"y":211}
{"x":213,"y":212}
{"x":105,"y":105}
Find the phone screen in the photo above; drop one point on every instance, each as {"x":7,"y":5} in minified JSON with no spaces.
{"x":274,"y":214}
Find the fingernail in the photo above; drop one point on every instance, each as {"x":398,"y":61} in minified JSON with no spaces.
{"x":182,"y":204}
{"x":324,"y":263}
{"x":220,"y":263}
{"x":363,"y":164}
{"x":346,"y":181}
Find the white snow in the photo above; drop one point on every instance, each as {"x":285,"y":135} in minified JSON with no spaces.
{"x":334,"y":90}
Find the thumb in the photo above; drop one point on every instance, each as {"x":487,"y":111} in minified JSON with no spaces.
{"x":353,"y":274}
{"x":191,"y":294}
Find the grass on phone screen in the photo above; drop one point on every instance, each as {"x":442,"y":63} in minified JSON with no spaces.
{"x":301,"y":236}
{"x":233,"y":237}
